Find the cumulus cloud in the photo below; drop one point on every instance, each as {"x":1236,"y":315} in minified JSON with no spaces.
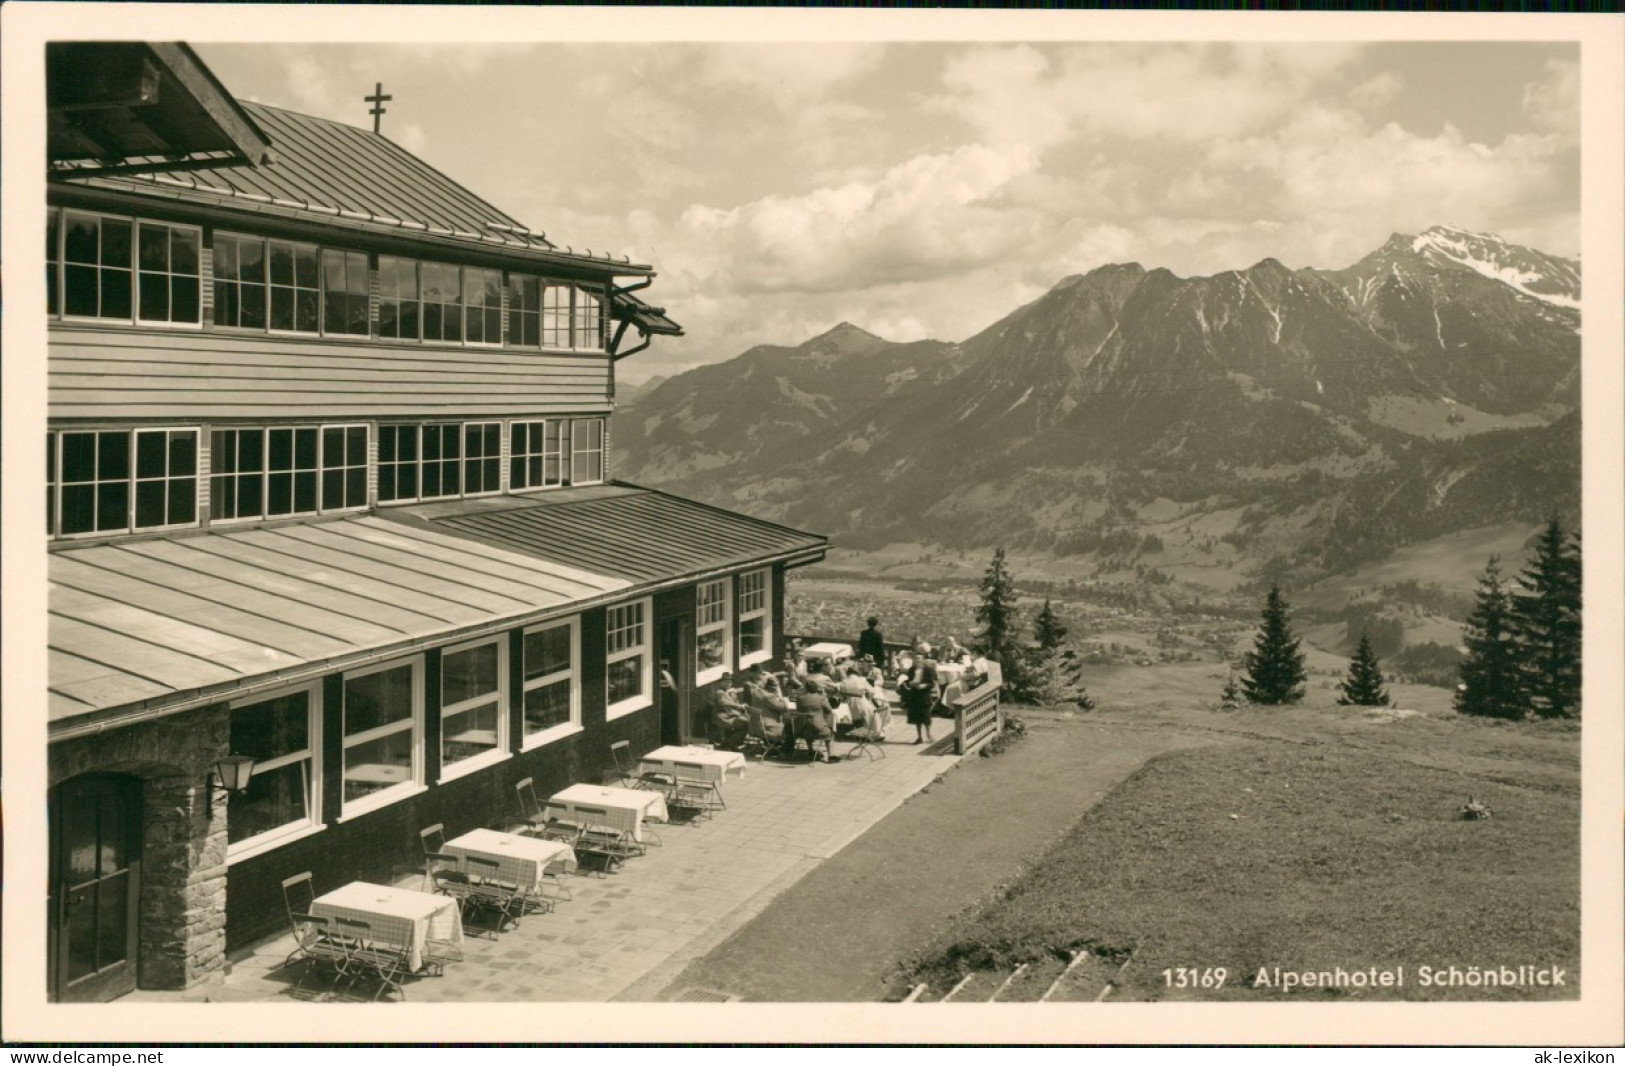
{"x":1554,"y":103}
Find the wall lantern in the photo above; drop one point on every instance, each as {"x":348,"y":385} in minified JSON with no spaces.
{"x":231,"y":774}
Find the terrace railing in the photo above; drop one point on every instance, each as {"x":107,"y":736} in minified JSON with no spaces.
{"x":978,"y":717}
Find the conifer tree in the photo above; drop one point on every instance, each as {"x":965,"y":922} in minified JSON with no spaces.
{"x":1546,"y":625}
{"x":1363,"y":687}
{"x":1230,"y":698}
{"x":1491,"y":683}
{"x":996,"y":614}
{"x":1275,"y":667}
{"x":1048,"y":629}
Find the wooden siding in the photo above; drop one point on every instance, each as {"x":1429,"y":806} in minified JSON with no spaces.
{"x":106,"y":374}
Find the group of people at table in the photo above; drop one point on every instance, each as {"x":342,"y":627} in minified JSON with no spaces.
{"x":816,"y":693}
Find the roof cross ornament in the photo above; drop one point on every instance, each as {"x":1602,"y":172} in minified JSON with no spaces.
{"x":377,"y":100}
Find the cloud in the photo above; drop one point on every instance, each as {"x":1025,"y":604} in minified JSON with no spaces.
{"x":412,"y":137}
{"x":790,"y":73}
{"x":1554,"y":104}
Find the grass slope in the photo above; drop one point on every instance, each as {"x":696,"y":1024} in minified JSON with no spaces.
{"x":1319,"y":838}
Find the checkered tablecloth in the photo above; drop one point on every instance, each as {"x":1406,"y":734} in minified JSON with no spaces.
{"x":520,"y":860}
{"x":398,"y":916}
{"x":619,"y":808}
{"x":701,"y":764}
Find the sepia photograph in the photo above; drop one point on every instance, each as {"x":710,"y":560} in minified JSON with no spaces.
{"x":559,"y":521}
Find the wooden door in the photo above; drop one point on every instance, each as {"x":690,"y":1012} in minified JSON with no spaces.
{"x":95,"y":886}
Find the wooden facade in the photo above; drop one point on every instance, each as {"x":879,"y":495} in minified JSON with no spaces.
{"x":390,"y":563}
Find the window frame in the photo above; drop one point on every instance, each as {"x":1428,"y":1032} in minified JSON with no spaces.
{"x":722,"y":624}
{"x":764,"y":612}
{"x":645,"y":647}
{"x":531,"y":741}
{"x":470,"y":309}
{"x":468,"y":459}
{"x":293,"y":287}
{"x":167,"y":273}
{"x":130,"y":479}
{"x":60,"y":264}
{"x":416,"y":300}
{"x":321,"y":470}
{"x":472,"y":763}
{"x":414,"y":723}
{"x":312,"y":823}
{"x":603,"y":431}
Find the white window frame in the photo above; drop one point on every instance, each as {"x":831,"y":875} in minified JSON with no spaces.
{"x":645,"y":648}
{"x":764,"y":612}
{"x":135,"y":251}
{"x":293,"y":287}
{"x":312,"y":823}
{"x":342,"y":467}
{"x":469,"y":273}
{"x":135,"y":222}
{"x":531,"y":741}
{"x":466,"y":459}
{"x":130,"y":479}
{"x":452,"y":771}
{"x":713,"y":616}
{"x":575,"y":451}
{"x":414,"y":784}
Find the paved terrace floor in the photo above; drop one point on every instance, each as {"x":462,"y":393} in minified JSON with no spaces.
{"x":626,"y":936}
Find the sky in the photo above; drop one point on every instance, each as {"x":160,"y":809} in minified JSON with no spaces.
{"x":927,"y":189}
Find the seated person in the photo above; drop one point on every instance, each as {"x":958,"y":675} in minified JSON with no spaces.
{"x":730,"y":718}
{"x":859,"y":694}
{"x":809,"y":722}
{"x":953,"y":652}
{"x":762,"y":692}
{"x":818,"y":670}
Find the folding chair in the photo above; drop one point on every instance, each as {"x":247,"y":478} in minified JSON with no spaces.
{"x":695,"y":793}
{"x":434,"y":838}
{"x":866,"y":741}
{"x":630,"y":773}
{"x":314,"y":944}
{"x":490,"y":892}
{"x":532,"y":816}
{"x":386,"y":962}
{"x":760,"y":739}
{"x":559,"y":824}
{"x":443,"y":873}
{"x":600,"y":840}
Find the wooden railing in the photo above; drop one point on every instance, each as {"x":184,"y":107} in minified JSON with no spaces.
{"x":977,"y":715}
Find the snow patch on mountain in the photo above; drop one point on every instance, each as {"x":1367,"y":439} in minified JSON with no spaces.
{"x":1485,"y":254}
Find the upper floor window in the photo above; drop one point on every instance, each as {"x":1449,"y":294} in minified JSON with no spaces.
{"x":287,"y":470}
{"x":524,"y":311}
{"x":572,"y":317}
{"x":536,"y":454}
{"x":115,"y":481}
{"x":399,"y":300}
{"x":439,"y":460}
{"x":438,"y":302}
{"x":482,"y":305}
{"x":288,"y":287}
{"x":586,"y":451}
{"x":125,"y":270}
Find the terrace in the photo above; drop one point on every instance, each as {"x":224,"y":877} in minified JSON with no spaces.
{"x":626,"y":935}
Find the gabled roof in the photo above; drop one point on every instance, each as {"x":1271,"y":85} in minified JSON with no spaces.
{"x":337,"y":175}
{"x":637,"y":535}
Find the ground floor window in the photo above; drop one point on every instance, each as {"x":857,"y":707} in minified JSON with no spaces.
{"x":755,"y":619}
{"x":282,"y":734}
{"x":552,"y":696}
{"x":383,"y":733}
{"x":473,"y":704}
{"x":712,"y":643}
{"x":628,"y":665}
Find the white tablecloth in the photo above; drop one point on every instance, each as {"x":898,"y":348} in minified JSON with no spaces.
{"x":619,"y":808}
{"x":703,"y":764}
{"x":828,"y":650}
{"x":398,"y":916}
{"x":520,"y":860}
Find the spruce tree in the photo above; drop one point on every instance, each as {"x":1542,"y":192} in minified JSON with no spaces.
{"x":997,"y":612}
{"x":1491,"y":683}
{"x":1048,"y":629}
{"x":1363,"y":687}
{"x":1275,"y":667}
{"x":1546,"y":625}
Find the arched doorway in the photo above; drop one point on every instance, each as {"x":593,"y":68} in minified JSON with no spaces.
{"x":95,"y":887}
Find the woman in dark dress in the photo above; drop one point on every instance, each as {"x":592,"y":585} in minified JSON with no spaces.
{"x":918,"y":688}
{"x":872,"y":644}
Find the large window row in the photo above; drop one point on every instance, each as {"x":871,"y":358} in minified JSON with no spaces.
{"x":101,"y":482}
{"x":145,"y":272}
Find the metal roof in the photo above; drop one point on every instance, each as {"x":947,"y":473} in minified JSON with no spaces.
{"x":141,"y":627}
{"x":638,"y":535}
{"x":339,"y":175}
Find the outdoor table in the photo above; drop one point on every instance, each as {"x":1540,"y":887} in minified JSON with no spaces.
{"x":625,"y":808}
{"x":715,"y":764}
{"x":829,"y":650}
{"x":398,"y":916}
{"x":520,"y":860}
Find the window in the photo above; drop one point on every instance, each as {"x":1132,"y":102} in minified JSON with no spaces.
{"x":50,"y":483}
{"x":473,"y":705}
{"x":587,"y":451}
{"x":397,"y":463}
{"x":97,"y":280}
{"x":117,"y":480}
{"x":533,"y":455}
{"x":572,"y":317}
{"x":276,"y":472}
{"x":282,"y":733}
{"x":344,"y":293}
{"x":382,"y":720}
{"x":524,"y":311}
{"x":482,"y":458}
{"x":239,"y":282}
{"x":626,"y":656}
{"x":53,"y":262}
{"x":442,"y":460}
{"x":170,"y":276}
{"x":712,"y":642}
{"x":482,"y":305}
{"x":398,"y":300}
{"x":552,"y":693}
{"x":295,"y":290}
{"x":442,"y":302}
{"x":755,"y":620}
{"x":344,"y":467}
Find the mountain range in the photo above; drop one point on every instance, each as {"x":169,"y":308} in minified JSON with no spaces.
{"x":1309,"y":419}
